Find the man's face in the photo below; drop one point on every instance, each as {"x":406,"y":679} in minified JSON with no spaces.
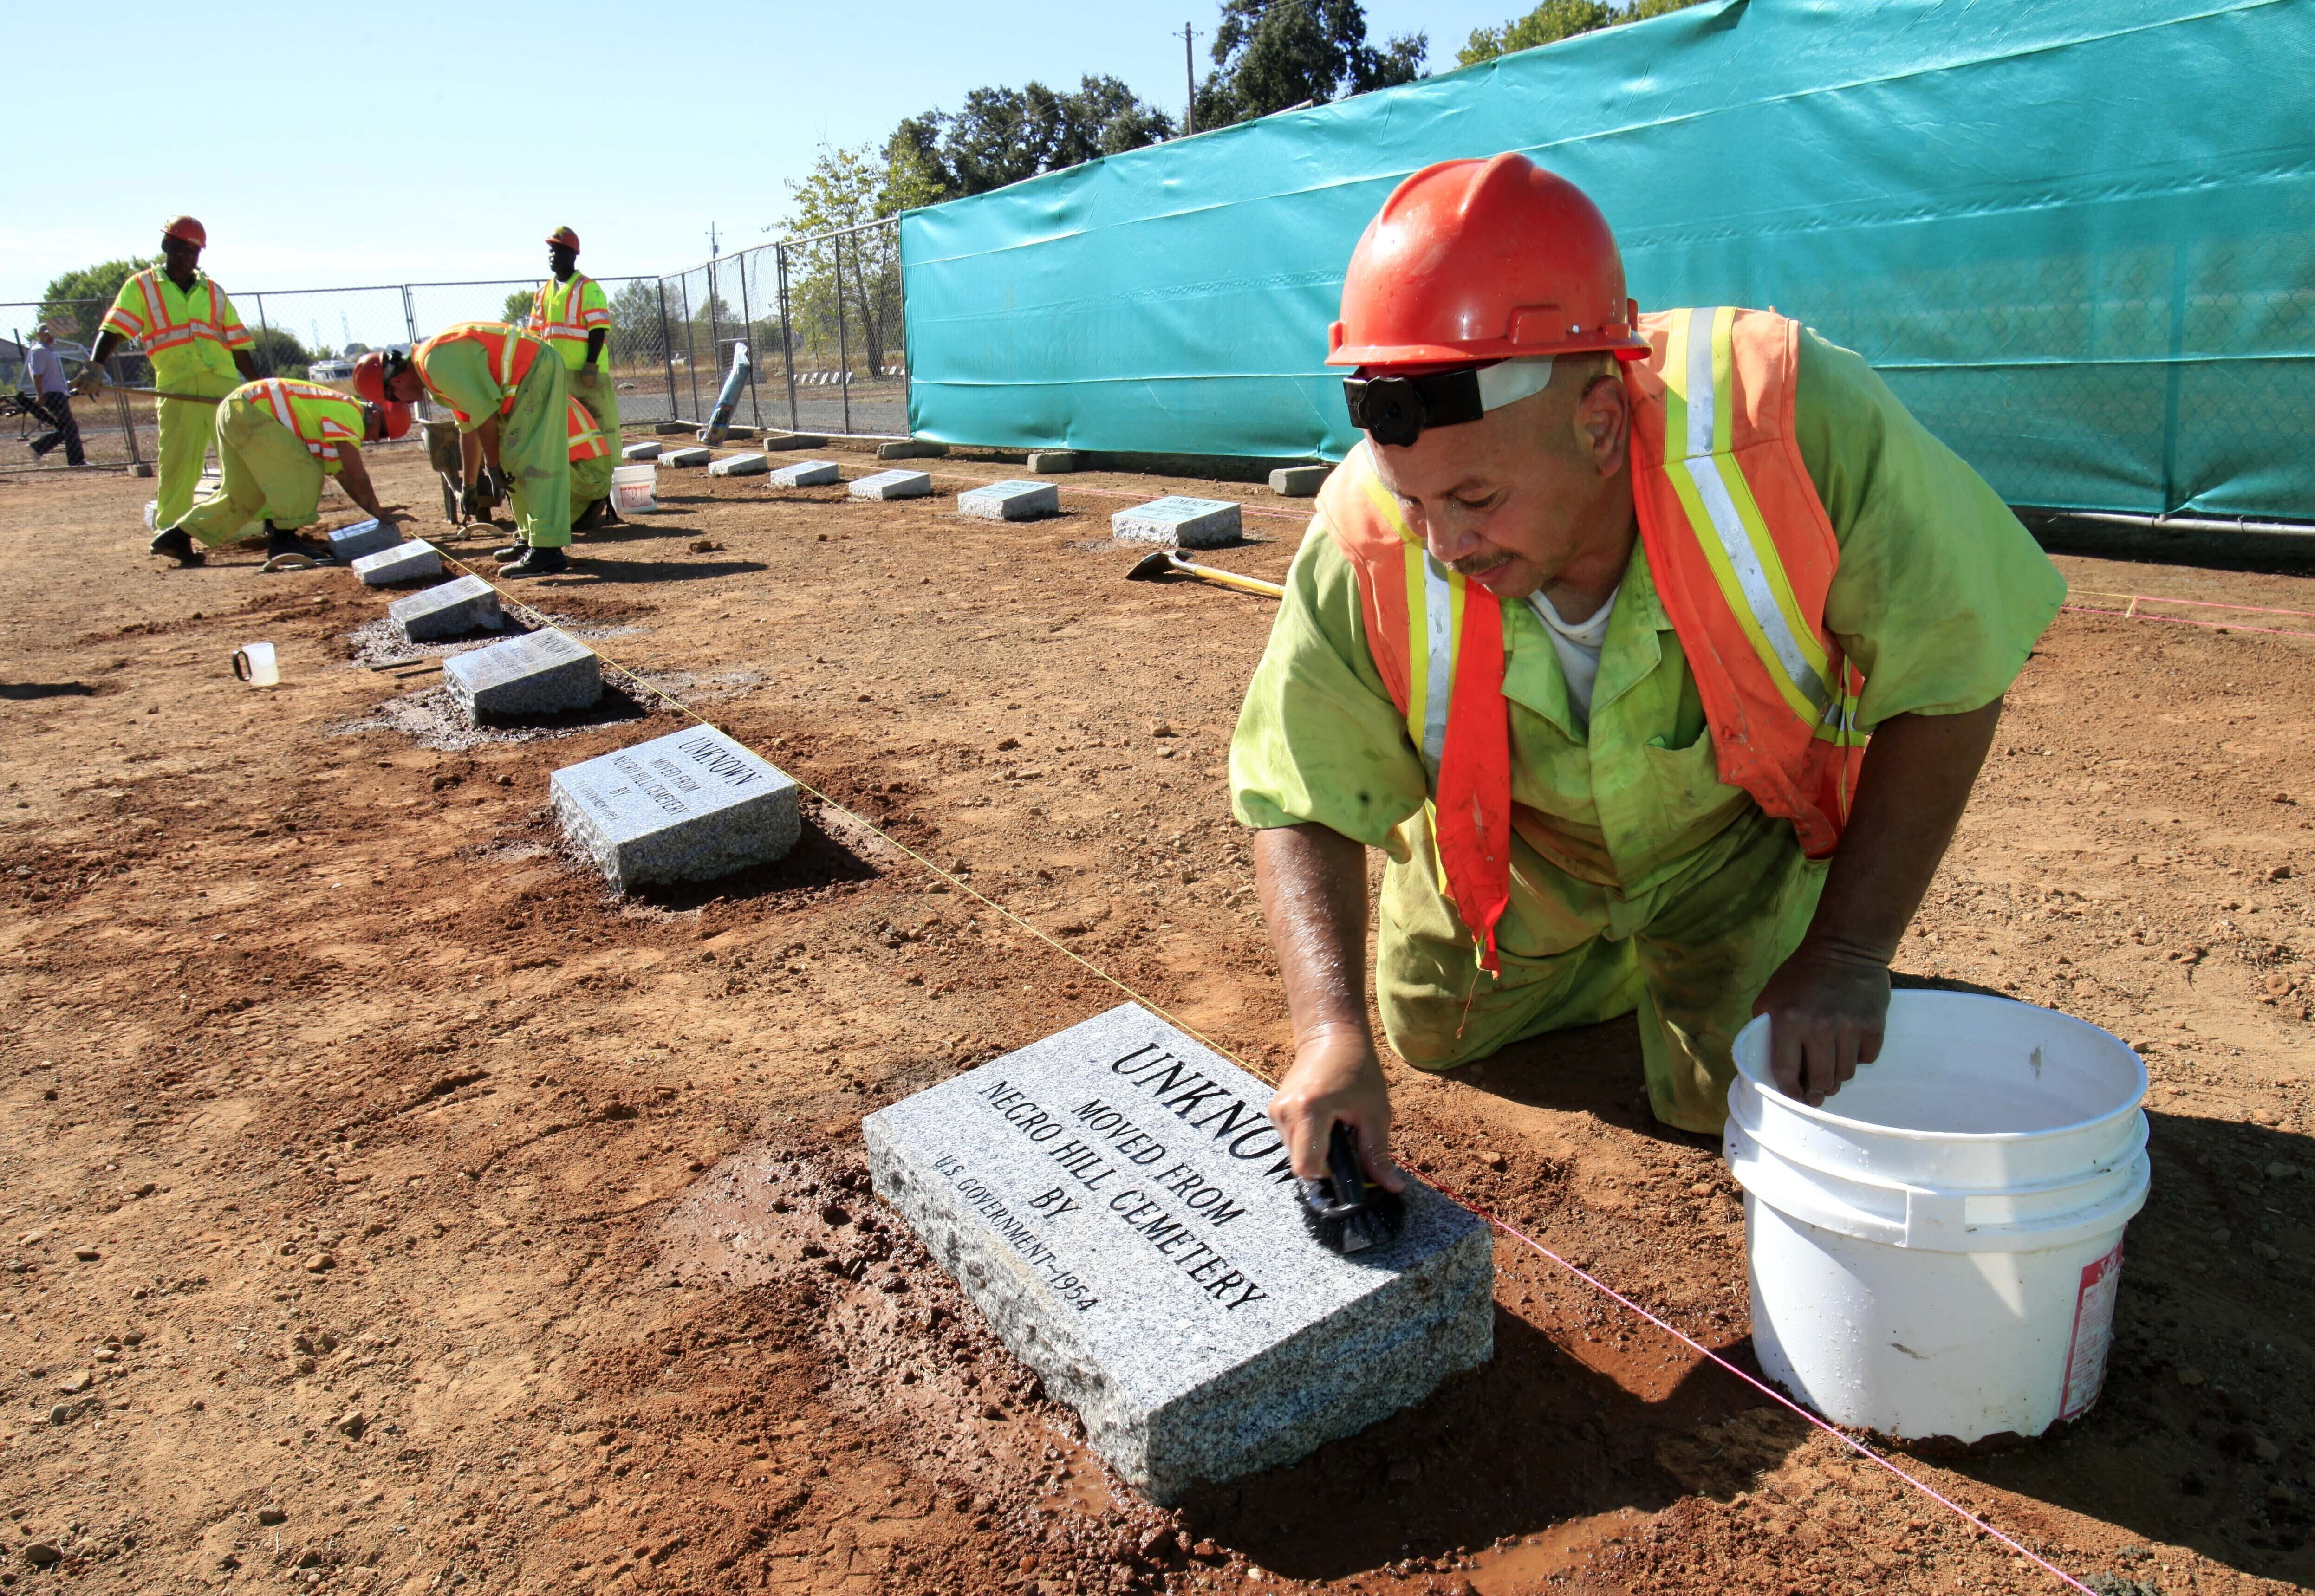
{"x":563,"y":259}
{"x":180,"y":257}
{"x":1510,"y":499}
{"x":403,"y":388}
{"x":48,"y":339}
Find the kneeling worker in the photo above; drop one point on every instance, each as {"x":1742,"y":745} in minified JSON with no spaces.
{"x":277,"y":439}
{"x":505,"y":388}
{"x":1588,"y":635}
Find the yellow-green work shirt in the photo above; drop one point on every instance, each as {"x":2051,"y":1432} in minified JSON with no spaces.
{"x":189,"y":337}
{"x":1939,"y":597}
{"x":564,"y":319}
{"x":461,"y":373}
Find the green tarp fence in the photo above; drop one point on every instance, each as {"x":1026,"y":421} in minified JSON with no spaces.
{"x":2078,"y":236}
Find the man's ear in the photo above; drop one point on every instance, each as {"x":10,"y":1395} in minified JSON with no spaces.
{"x":1603,"y":422}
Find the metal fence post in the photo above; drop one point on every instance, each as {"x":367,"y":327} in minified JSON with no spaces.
{"x":410,"y":315}
{"x":787,"y":336}
{"x":691,"y":349}
{"x":748,"y":321}
{"x":843,"y":349}
{"x":715,"y":335}
{"x":667,"y":348}
{"x":266,"y":334}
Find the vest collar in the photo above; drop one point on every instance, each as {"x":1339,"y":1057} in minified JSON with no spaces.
{"x":1533,"y":677}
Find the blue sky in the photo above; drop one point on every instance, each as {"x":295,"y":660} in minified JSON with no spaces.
{"x":340,"y":145}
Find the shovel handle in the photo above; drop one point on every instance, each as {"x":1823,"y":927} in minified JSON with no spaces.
{"x":1228,"y":579}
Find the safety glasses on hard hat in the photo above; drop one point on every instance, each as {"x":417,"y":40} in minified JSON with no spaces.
{"x":1396,"y":410}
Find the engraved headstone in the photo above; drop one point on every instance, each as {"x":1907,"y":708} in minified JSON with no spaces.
{"x":1299,"y":481}
{"x":1112,"y":1199}
{"x":348,"y":544}
{"x":689,"y":454}
{"x":1184,"y":523}
{"x":455,"y":608}
{"x":750,"y":464}
{"x":645,"y":451}
{"x":806,"y":474}
{"x":693,"y":805}
{"x":402,"y":561}
{"x":1010,"y":502}
{"x":542,"y":672}
{"x":893,"y":484}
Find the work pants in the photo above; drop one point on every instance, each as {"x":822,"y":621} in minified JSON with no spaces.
{"x":1690,"y":956}
{"x":591,"y":480}
{"x":592,"y":385}
{"x":56,"y":409}
{"x":187,"y":426}
{"x":268,"y":474}
{"x":534,"y":447}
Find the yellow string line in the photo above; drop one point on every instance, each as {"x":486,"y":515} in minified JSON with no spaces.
{"x":536,"y":617}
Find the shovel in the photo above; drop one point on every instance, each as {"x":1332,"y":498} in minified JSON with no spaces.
{"x":1165,"y":562}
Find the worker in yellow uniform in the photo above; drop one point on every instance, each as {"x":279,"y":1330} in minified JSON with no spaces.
{"x":1589,"y":635}
{"x":278,"y":440}
{"x":590,"y":462}
{"x":197,"y":347}
{"x":572,"y":313}
{"x":505,"y":388}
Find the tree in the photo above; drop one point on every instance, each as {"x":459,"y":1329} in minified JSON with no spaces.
{"x":845,"y":188}
{"x":278,"y":353}
{"x":1555,"y":20}
{"x":519,"y":305}
{"x":1004,"y":136}
{"x":95,"y":287}
{"x":1271,"y":55}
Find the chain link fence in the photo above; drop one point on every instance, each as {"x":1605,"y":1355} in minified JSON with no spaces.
{"x":822,"y":316}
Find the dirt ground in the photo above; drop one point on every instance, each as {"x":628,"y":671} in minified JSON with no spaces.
{"x":388,"y":1208}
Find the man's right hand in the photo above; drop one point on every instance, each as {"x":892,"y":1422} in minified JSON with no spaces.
{"x":90,"y":381}
{"x":1336,"y":1078}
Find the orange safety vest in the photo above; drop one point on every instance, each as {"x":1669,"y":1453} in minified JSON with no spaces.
{"x":323,"y":418}
{"x":587,"y":439}
{"x":1742,"y":555}
{"x":510,"y":350}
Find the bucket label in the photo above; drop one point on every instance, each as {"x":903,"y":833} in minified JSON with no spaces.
{"x":2093,"y":1333}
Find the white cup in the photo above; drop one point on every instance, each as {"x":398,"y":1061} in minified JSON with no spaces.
{"x":253,"y":662}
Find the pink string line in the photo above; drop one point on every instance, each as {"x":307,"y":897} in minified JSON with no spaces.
{"x":2197,"y":603}
{"x":1770,"y":1392}
{"x":2184,"y":621}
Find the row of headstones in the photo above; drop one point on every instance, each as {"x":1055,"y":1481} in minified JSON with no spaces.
{"x":1175,"y":520}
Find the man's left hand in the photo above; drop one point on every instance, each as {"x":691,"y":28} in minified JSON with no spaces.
{"x":1826,"y":1008}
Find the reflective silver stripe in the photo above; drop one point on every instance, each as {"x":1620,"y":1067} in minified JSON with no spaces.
{"x":1700,"y":383}
{"x":1438,"y":689}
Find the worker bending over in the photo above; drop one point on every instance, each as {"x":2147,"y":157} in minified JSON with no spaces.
{"x":1588,"y":634}
{"x":591,"y":461}
{"x":572,"y":313}
{"x":277,"y":439}
{"x":197,"y":347}
{"x":505,"y":388}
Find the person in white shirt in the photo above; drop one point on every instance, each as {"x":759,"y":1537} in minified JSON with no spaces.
{"x":53,"y":395}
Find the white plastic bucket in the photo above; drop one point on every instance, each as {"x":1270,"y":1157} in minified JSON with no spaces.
{"x":634,"y":489}
{"x":1935,"y":1251}
{"x":256,"y":664}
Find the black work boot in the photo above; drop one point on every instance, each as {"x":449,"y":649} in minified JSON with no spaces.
{"x":511,"y":553}
{"x":590,"y":518}
{"x":537,"y":562}
{"x":178,"y":546}
{"x":279,"y":541}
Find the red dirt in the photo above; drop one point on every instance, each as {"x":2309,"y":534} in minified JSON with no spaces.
{"x":277,"y":991}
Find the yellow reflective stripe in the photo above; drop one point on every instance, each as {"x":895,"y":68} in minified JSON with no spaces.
{"x":1726,"y":520}
{"x":1418,"y":660}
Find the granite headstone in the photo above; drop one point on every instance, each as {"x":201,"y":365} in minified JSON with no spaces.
{"x":542,"y":672}
{"x":690,"y":455}
{"x":453,"y":609}
{"x":646,"y":450}
{"x":693,"y":805}
{"x":752,"y":464}
{"x":1114,"y":1201}
{"x":1183,"y":522}
{"x":1010,"y":502}
{"x":806,"y":474}
{"x":893,"y":484}
{"x":414,"y":561}
{"x":348,"y":544}
{"x":1299,"y":481}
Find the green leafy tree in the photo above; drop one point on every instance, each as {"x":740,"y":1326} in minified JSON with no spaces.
{"x":1272,"y":55}
{"x":846,"y":188}
{"x":516,"y":310}
{"x":635,"y":326}
{"x":1005,"y":136}
{"x":278,"y":353}
{"x":1556,"y":19}
{"x":95,"y":288}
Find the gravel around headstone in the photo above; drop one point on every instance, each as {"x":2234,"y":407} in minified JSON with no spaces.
{"x":1181,"y":522}
{"x":747,"y":465}
{"x":414,"y":561}
{"x":691,"y":455}
{"x":645,"y":451}
{"x":455,"y":608}
{"x":893,"y":484}
{"x":543,"y":672}
{"x":348,"y":544}
{"x":806,"y":474}
{"x":1114,"y":1201}
{"x":1299,"y":481}
{"x":693,"y":805}
{"x":1010,"y":502}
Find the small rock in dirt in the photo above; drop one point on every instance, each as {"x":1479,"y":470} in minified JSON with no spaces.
{"x":705,"y":545}
{"x":74,"y":1384}
{"x":990,"y":1411}
{"x":2281,"y":1496}
{"x":350,"y":1424}
{"x":1159,"y":1545}
{"x":2266,"y":1252}
{"x":2190,"y":1377}
{"x":86,"y":1255}
{"x":1494,"y":1160}
{"x":832,"y":1214}
{"x":2281,"y":1171}
{"x":41,"y":1554}
{"x":320,"y":1262}
{"x":2264,"y":1451}
{"x":228,"y":1562}
{"x":1206,"y":1550}
{"x":2278,"y":985}
{"x":272,"y":1515}
{"x":305,"y":1366}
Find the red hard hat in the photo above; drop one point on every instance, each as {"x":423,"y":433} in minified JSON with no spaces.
{"x":397,"y":420}
{"x":369,"y":378}
{"x":1471,"y":261}
{"x":187,"y":229}
{"x":565,"y":237}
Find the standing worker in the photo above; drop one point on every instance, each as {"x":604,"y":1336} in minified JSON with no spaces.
{"x":505,"y":388}
{"x":572,"y":313}
{"x":194,"y":338}
{"x":53,"y":395}
{"x":278,"y":439}
{"x":1588,"y":634}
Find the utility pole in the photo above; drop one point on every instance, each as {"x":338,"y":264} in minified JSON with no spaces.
{"x":1190,"y":76}
{"x":715,"y":246}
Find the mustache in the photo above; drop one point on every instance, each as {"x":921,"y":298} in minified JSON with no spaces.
{"x":1479,"y":564}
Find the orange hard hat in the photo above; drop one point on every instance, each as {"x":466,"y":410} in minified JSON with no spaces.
{"x":397,"y":419}
{"x":191,"y":231}
{"x":565,"y":237}
{"x":1482,"y":260}
{"x":369,"y":378}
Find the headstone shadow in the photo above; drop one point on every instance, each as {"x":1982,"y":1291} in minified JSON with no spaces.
{"x":612,"y":571}
{"x":22,"y":691}
{"x":818,"y":861}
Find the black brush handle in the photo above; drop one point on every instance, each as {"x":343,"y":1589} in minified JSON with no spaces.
{"x":1342,"y":1164}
